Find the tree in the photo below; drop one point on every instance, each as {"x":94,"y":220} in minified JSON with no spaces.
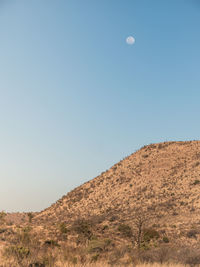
{"x":141,"y":217}
{"x":2,"y":217}
{"x":30,"y":216}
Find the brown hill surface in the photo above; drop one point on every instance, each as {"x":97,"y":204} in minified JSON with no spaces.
{"x":144,"y":208}
{"x":160,"y":178}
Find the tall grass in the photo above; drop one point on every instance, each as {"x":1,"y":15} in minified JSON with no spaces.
{"x":102,"y":264}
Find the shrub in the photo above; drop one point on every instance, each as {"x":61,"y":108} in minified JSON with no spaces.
{"x":165,"y":239}
{"x":63,"y":228}
{"x":98,"y":245}
{"x":82,"y":227}
{"x":196,"y":182}
{"x":2,"y":216}
{"x":24,"y":236}
{"x":125,"y":230}
{"x":17,"y":252}
{"x":95,"y":257}
{"x":51,"y":243}
{"x":189,"y":256}
{"x":160,"y":146}
{"x":105,"y":227}
{"x":2,"y":230}
{"x":36,"y":264}
{"x":30,"y":216}
{"x":113,"y":218}
{"x":74,"y":260}
{"x":193,"y":260}
{"x":161,"y":255}
{"x":48,"y":260}
{"x":150,"y":234}
{"x":192,"y":233}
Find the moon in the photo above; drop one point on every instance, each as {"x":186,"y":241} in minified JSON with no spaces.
{"x":130,"y":40}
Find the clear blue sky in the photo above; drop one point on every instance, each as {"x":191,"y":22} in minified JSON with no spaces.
{"x":75,"y":98}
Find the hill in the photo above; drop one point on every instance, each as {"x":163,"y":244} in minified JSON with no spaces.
{"x":145,"y":207}
{"x":163,"y":178}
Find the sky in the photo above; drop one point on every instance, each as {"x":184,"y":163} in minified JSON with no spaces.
{"x":75,"y":98}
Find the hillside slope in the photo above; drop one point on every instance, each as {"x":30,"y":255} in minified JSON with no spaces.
{"x":161,"y":178}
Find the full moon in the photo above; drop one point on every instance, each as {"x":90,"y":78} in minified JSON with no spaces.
{"x":130,"y":40}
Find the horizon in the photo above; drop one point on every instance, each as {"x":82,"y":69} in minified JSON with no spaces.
{"x":76,"y":97}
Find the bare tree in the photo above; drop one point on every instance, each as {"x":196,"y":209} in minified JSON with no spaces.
{"x":141,"y":217}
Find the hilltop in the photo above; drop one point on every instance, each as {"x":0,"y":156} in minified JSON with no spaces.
{"x":148,"y":202}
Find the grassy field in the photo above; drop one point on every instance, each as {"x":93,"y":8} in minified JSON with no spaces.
{"x":137,"y":265}
{"x":102,"y":264}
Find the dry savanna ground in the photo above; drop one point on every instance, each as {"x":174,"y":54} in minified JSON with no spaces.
{"x":144,"y":209}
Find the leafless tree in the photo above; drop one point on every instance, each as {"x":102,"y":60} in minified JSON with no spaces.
{"x":141,"y":218}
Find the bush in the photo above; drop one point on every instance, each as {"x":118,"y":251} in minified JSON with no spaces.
{"x":24,"y":236}
{"x":95,"y":257}
{"x":51,"y":243}
{"x":193,"y":260}
{"x":36,"y":264}
{"x":125,"y":230}
{"x":150,"y":234}
{"x":192,"y":233}
{"x":161,"y":255}
{"x":196,"y":182}
{"x":2,"y":230}
{"x":105,"y":227}
{"x":98,"y":245}
{"x":63,"y":228}
{"x":83,"y":227}
{"x":2,"y":217}
{"x":113,"y":218}
{"x":165,"y":239}
{"x":74,"y":260}
{"x":30,"y":216}
{"x":17,"y":252}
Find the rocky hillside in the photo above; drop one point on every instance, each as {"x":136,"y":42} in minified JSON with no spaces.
{"x":162,"y":179}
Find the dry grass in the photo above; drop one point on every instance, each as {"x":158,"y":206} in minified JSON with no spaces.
{"x":160,"y":265}
{"x":103,"y":264}
{"x":100,"y":264}
{"x":101,"y":220}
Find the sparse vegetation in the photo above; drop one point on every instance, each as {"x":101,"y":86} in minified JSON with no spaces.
{"x":98,"y":246}
{"x":18,"y":253}
{"x":2,"y":217}
{"x":143,"y":210}
{"x":196,"y":182}
{"x":192,"y":233}
{"x":165,"y":239}
{"x":149,"y":234}
{"x":83,"y":227}
{"x":30,"y":216}
{"x":63,"y":228}
{"x":125,"y":230}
